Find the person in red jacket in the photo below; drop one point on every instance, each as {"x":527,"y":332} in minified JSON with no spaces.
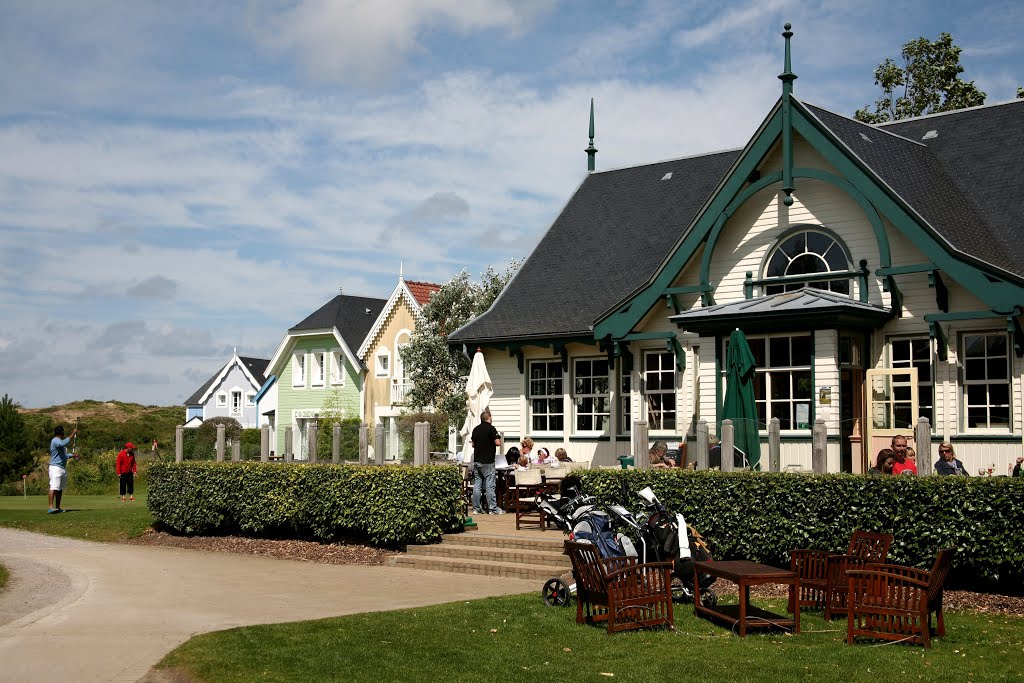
{"x":126,"y":469}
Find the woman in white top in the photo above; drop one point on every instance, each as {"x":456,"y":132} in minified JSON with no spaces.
{"x":544,"y":457}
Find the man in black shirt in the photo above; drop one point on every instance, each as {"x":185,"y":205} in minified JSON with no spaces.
{"x":485,"y":440}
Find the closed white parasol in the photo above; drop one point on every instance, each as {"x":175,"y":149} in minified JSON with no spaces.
{"x":478,"y":397}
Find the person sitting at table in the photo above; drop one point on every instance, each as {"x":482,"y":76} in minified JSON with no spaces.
{"x":948,"y":463}
{"x":526,"y":448}
{"x":1018,"y":469}
{"x":545,"y":458}
{"x":561,"y":455}
{"x":883,"y":462}
{"x":658,"y":458}
{"x":523,"y":463}
{"x":903,"y":464}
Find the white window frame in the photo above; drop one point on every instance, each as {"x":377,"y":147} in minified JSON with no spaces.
{"x":555,"y":400}
{"x":222,"y":399}
{"x":925,"y":373}
{"x":299,"y":369}
{"x":250,"y":398}
{"x":382,"y":369}
{"x":236,"y":408}
{"x":968,"y":364}
{"x":766,"y":374}
{"x":625,"y":402}
{"x":337,"y":367}
{"x":579,"y":396}
{"x":317,"y":368}
{"x":659,"y":371}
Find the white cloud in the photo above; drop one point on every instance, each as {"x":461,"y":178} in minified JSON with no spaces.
{"x":357,"y":41}
{"x":746,"y":18}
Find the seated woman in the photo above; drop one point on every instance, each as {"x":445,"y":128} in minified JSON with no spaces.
{"x":948,"y":463}
{"x":884,"y":462}
{"x":658,"y":458}
{"x":545,"y":458}
{"x":526,"y":448}
{"x":561,"y":455}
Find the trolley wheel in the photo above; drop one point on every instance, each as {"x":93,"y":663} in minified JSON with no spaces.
{"x":555,"y":593}
{"x":681,"y":593}
{"x":708,"y":598}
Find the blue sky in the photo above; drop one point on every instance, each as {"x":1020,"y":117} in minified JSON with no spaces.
{"x":178,"y":179}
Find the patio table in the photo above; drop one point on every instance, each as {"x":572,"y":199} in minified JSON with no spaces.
{"x":745,"y":574}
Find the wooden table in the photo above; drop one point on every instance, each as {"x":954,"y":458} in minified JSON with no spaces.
{"x":745,"y":574}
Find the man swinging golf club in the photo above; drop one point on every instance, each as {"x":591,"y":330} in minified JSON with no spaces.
{"x":58,"y":466}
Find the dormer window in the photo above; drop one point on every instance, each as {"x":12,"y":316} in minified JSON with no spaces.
{"x":805,"y":253}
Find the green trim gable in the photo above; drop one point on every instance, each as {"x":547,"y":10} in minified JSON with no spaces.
{"x":855,"y":179}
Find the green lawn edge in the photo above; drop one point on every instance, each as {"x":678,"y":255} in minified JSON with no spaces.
{"x":90,"y":518}
{"x":512,"y":639}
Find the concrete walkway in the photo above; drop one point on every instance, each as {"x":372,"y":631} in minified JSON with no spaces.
{"x":81,"y":611}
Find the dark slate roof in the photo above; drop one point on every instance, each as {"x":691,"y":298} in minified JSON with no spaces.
{"x":257,"y":366}
{"x":352,"y":315}
{"x":965,"y":180}
{"x":814,"y":307}
{"x":609,"y":240}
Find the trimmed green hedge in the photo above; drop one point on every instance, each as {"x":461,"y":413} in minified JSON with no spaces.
{"x":388,"y":506}
{"x":761,"y":516}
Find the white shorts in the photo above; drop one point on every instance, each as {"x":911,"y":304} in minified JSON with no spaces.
{"x":58,"y":478}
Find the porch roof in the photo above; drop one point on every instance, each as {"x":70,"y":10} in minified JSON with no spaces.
{"x":805,"y":309}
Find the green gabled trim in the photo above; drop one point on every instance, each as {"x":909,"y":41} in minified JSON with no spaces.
{"x":994,"y":291}
{"x":688,"y":289}
{"x":646,"y":336}
{"x":905,"y":270}
{"x":965,"y":315}
{"x":625,"y":316}
{"x":1014,"y":328}
{"x":675,"y":347}
{"x":707,"y":296}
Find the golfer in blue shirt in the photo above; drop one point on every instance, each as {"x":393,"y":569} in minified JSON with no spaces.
{"x":58,"y":466}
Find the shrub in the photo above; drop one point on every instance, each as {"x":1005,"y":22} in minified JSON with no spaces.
{"x":349,"y":447}
{"x":388,"y":506}
{"x":438,"y":431}
{"x":761,"y":516}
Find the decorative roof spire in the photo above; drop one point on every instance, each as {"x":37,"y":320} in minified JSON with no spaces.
{"x":591,"y":150}
{"x":401,"y":271}
{"x":787,"y":77}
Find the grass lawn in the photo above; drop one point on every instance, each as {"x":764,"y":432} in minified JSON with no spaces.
{"x":94,"y":518}
{"x":3,"y":576}
{"x":516,"y":638}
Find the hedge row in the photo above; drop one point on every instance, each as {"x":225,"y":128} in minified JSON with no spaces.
{"x":761,"y":516}
{"x":387,"y":506}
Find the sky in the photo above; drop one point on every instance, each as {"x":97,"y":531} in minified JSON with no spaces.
{"x":182,"y":179}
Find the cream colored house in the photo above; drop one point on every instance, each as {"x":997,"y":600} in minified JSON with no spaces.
{"x":877,"y":271}
{"x":386,"y":382}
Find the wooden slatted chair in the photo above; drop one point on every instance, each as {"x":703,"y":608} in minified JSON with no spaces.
{"x":891,"y":602}
{"x":620,"y":592}
{"x":528,"y":484}
{"x":823,"y":574}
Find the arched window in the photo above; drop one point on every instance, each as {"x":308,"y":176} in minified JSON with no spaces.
{"x":804,"y":253}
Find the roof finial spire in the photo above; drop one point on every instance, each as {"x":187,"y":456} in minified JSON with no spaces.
{"x":591,"y":150}
{"x":401,"y":271}
{"x":787,"y":77}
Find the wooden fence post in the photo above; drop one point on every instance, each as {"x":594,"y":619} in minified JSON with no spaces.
{"x":819,"y":447}
{"x":336,"y":444}
{"x":641,"y":447}
{"x":364,"y":443}
{"x":179,"y":443}
{"x":728,"y":446}
{"x":923,"y":441}
{"x":774,"y":445}
{"x":701,"y":444}
{"x":220,"y":443}
{"x":265,"y":443}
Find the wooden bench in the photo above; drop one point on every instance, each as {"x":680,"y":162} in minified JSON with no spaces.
{"x":823,"y":574}
{"x":891,"y":602}
{"x":620,"y":591}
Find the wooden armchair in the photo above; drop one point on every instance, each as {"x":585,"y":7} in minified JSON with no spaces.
{"x":890,"y":602}
{"x":823,"y":574}
{"x":619,"y":591}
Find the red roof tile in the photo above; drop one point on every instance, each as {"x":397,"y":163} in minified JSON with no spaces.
{"x":422,"y":290}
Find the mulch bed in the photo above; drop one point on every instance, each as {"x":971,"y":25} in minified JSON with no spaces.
{"x":345,"y":552}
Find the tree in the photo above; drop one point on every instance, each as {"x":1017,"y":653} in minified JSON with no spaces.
{"x":15,"y":443}
{"x":206,"y":433}
{"x":438,"y":371}
{"x":929,"y":79}
{"x":1020,"y":93}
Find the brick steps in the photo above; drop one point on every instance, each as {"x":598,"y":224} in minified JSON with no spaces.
{"x":490,"y":555}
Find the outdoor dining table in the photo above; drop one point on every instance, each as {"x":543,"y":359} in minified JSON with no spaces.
{"x":745,"y":574}
{"x":503,"y":480}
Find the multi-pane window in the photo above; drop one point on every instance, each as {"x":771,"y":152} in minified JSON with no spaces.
{"x":986,"y":363}
{"x":236,"y":402}
{"x":915,"y":353}
{"x":782,"y":380}
{"x":318,"y":369}
{"x":222,"y":400}
{"x":546,"y":407}
{"x":383,"y":362}
{"x":299,"y":369}
{"x":590,"y":376}
{"x":250,"y":399}
{"x":660,"y":389}
{"x":337,"y":367}
{"x":806,"y":253}
{"x":626,"y":403}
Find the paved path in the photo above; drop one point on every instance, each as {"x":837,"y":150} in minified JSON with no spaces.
{"x":81,"y":611}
